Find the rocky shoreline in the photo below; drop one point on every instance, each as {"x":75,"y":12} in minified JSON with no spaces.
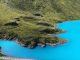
{"x":42,"y":44}
{"x":34,"y":40}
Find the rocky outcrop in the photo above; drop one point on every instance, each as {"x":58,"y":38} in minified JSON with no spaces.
{"x":40,"y":36}
{"x":14,"y":23}
{"x":38,"y":14}
{"x":34,"y":40}
{"x":32,"y":44}
{"x":45,"y":23}
{"x":50,"y":30}
{"x":41,"y":41}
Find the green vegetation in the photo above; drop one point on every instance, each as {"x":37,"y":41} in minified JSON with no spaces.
{"x":60,"y":10}
{"x":33,"y":21}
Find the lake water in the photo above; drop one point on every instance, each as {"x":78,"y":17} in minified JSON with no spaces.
{"x":67,"y":51}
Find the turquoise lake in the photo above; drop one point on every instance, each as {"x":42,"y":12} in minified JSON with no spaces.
{"x":67,"y":51}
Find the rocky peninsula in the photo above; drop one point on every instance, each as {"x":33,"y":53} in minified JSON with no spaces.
{"x":40,"y":36}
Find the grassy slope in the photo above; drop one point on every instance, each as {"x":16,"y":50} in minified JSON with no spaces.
{"x":51,"y":9}
{"x":7,"y":14}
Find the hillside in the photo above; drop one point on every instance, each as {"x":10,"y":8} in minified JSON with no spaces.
{"x":51,"y":9}
{"x":30,"y":20}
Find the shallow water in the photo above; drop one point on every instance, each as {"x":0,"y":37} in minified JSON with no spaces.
{"x":67,"y":51}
